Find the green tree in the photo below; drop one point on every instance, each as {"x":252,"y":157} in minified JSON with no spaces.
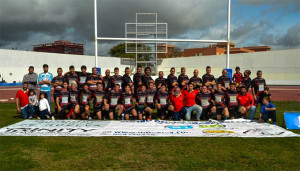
{"x":120,"y":51}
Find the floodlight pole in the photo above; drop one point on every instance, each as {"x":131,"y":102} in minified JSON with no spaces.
{"x":228,"y":35}
{"x":96,"y":35}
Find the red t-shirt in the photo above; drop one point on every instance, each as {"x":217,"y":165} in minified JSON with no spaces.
{"x":237,"y":78}
{"x":189,"y":97}
{"x":177,"y":102}
{"x":245,"y":100}
{"x":23,"y":96}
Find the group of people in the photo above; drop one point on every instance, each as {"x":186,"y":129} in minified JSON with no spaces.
{"x":120,"y":97}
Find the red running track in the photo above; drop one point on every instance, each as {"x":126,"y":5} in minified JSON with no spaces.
{"x":279,"y":93}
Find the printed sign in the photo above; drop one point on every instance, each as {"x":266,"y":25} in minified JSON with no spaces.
{"x":155,"y":128}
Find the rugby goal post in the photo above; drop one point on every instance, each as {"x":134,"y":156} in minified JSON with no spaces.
{"x":162,"y":40}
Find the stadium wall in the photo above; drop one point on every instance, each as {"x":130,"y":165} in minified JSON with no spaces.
{"x":279,"y":67}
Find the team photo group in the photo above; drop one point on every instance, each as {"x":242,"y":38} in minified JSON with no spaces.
{"x":88,"y":96}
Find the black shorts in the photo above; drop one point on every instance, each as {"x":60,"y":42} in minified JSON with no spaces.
{"x":112,"y":109}
{"x":65,"y":107}
{"x":206,"y":110}
{"x":128,"y":109}
{"x":141,"y":109}
{"x":151,"y":105}
{"x":233,"y":111}
{"x":98,"y":108}
{"x":72,"y":105}
{"x":164,"y":109}
{"x":82,"y":108}
{"x":220,"y":110}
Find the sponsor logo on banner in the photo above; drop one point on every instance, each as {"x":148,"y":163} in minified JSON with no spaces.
{"x":211,"y":126}
{"x":180,"y":127}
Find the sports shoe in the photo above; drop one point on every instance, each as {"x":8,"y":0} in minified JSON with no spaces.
{"x":52,"y":118}
{"x":30,"y":117}
{"x":90,"y":118}
{"x":38,"y":118}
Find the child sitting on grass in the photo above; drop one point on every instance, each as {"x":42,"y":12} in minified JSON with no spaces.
{"x":44,"y":107}
{"x":267,"y":111}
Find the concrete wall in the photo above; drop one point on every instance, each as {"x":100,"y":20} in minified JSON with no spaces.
{"x":14,"y":64}
{"x":279,"y":67}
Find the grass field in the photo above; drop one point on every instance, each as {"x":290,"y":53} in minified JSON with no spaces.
{"x":98,"y":153}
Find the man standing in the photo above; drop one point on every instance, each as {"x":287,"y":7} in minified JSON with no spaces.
{"x":182,"y":78}
{"x":172,"y":80}
{"x":57,"y":83}
{"x":257,"y":86}
{"x":160,"y":80}
{"x":137,"y":79}
{"x":146,"y":78}
{"x":93,"y":79}
{"x":246,"y":80}
{"x":45,"y":79}
{"x":82,"y":77}
{"x":208,"y":79}
{"x":224,"y":80}
{"x":71,"y":76}
{"x":31,"y":78}
{"x":22,"y":101}
{"x":189,"y":102}
{"x":116,"y":79}
{"x":196,"y":81}
{"x":106,"y":80}
{"x":127,"y":80}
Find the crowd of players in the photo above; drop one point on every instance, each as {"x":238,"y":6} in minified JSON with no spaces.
{"x":120,"y":97}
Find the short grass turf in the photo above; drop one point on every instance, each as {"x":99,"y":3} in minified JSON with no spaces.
{"x":172,"y":153}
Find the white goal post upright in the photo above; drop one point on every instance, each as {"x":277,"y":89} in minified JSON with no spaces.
{"x":96,"y":33}
{"x":164,"y":40}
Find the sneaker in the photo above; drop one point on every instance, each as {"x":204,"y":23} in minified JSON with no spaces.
{"x":30,"y":117}
{"x":148,"y":119}
{"x":52,"y":118}
{"x":38,"y":118}
{"x":90,"y":118}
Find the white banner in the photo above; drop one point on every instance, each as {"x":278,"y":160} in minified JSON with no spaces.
{"x":155,"y":128}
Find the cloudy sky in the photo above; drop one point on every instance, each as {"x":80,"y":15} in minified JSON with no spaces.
{"x":24,"y":23}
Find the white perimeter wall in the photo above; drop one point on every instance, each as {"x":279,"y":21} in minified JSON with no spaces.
{"x":279,"y":67}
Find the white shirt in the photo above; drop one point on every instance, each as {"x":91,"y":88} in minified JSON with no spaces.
{"x":44,"y":105}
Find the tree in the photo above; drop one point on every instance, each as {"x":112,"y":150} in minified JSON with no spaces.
{"x":120,"y":51}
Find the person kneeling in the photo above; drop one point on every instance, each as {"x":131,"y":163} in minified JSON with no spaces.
{"x":44,"y":107}
{"x":267,"y":111}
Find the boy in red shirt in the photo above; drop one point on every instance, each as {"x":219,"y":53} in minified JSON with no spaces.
{"x":237,"y":77}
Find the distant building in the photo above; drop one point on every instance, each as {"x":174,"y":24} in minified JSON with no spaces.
{"x":221,"y":48}
{"x":171,"y":53}
{"x":60,"y":46}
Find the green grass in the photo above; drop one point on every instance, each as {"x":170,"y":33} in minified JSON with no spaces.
{"x":98,"y":153}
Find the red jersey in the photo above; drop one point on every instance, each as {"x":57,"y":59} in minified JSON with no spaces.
{"x":177,"y":102}
{"x":237,"y":78}
{"x":245,"y":100}
{"x":189,"y":97}
{"x":23,"y":96}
